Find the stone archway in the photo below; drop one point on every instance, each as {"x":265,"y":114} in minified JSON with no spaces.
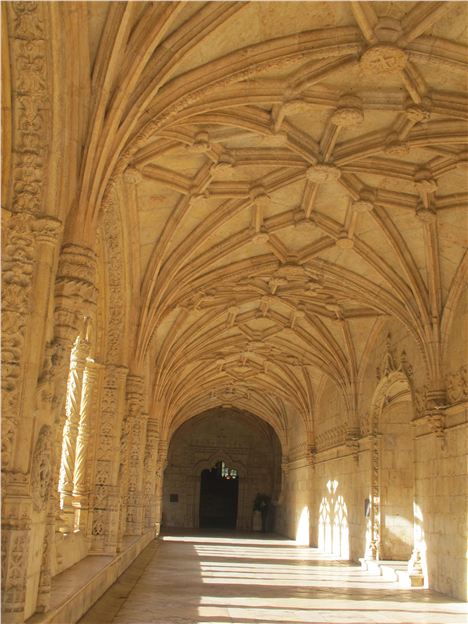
{"x":391,"y":516}
{"x":396,"y":474}
{"x":242,"y":441}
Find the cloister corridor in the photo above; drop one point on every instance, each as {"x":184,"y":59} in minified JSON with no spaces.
{"x":219,"y":577}
{"x":234,"y":297}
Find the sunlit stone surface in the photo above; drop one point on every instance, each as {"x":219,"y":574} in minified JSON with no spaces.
{"x":239,"y":578}
{"x":234,"y":295}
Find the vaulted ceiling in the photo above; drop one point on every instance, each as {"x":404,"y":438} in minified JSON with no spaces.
{"x":298,"y":172}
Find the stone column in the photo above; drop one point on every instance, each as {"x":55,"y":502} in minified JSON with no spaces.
{"x":75,"y":296}
{"x":160,"y":468}
{"x":150,"y":461}
{"x":80,"y":485}
{"x":70,"y":431}
{"x":17,"y":287}
{"x":29,"y":247}
{"x":373,"y":550}
{"x":136,"y":449}
{"x":105,"y":494}
{"x":17,"y":281}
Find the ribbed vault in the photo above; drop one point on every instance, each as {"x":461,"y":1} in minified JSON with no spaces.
{"x":295,"y":175}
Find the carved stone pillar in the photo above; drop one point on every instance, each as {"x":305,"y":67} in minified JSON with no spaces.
{"x":123,"y":478}
{"x":75,"y":296}
{"x":17,"y":275}
{"x":29,"y":243}
{"x":374,"y":515}
{"x":136,"y":450}
{"x":105,"y":494}
{"x":15,"y":545}
{"x":80,"y":485}
{"x":160,"y":468}
{"x":70,"y":431}
{"x":149,"y":470}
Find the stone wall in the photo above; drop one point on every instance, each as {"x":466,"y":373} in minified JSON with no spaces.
{"x":441,"y":510}
{"x":240,"y":440}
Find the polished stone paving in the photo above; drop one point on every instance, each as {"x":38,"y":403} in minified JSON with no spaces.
{"x":237,"y":578}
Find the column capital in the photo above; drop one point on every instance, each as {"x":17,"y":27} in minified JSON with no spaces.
{"x":47,"y":229}
{"x":75,"y":290}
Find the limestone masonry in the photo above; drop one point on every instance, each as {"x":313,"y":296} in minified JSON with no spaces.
{"x":232,"y":232}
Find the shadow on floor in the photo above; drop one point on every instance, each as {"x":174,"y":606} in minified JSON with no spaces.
{"x":217,"y":577}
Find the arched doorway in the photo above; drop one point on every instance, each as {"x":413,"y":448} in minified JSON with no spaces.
{"x":396,"y":476}
{"x":219,"y":493}
{"x":392,"y":470}
{"x":244,"y":442}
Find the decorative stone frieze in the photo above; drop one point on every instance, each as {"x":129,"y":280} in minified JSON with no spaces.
{"x":331,"y":437}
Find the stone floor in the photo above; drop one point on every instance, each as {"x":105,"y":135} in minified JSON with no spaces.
{"x":240,"y":578}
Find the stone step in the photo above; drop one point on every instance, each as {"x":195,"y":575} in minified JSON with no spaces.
{"x":396,"y":571}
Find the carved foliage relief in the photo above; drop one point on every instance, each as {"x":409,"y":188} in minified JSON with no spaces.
{"x":42,"y":468}
{"x":31,"y":104}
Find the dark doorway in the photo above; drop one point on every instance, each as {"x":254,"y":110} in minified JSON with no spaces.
{"x":219,"y":490}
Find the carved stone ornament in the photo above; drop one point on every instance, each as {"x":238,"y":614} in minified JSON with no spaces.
{"x":349,"y":112}
{"x":224,"y":167}
{"x":291,"y":271}
{"x":395,"y":147}
{"x":383,"y":58}
{"x":31,"y":105}
{"x":457,"y":385}
{"x":201,"y":143}
{"x":133,"y":175}
{"x":198,"y":199}
{"x":427,"y":214}
{"x":323,"y":173}
{"x":424,"y":181}
{"x":41,"y":473}
{"x":344,"y":241}
{"x":366,"y":201}
{"x":114,"y":246}
{"x":391,"y":363}
{"x":417,"y":114}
